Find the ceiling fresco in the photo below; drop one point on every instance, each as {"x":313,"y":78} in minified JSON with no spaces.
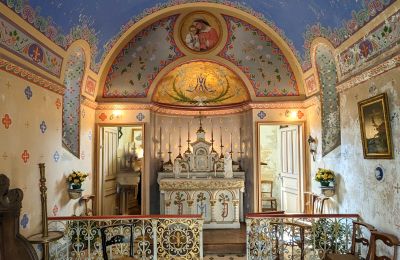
{"x":260,"y":59}
{"x":200,"y":83}
{"x":138,"y":63}
{"x":101,"y":22}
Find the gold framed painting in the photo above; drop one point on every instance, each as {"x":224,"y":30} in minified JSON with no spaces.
{"x":375,"y":127}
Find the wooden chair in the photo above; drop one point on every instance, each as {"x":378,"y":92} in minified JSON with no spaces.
{"x":266,"y":197}
{"x":388,"y":239}
{"x":357,"y":238}
{"x":292,"y":236}
{"x":117,"y":234}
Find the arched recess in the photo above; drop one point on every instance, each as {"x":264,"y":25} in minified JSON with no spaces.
{"x":73,"y":77}
{"x":181,"y":10}
{"x":330,"y":109}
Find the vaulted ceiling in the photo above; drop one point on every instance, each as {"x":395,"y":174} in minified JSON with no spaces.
{"x":298,"y":21}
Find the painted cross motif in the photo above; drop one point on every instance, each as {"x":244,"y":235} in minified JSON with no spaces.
{"x":224,"y":199}
{"x":261,"y":114}
{"x":58,"y":103}
{"x":179,"y":202}
{"x":24,"y":221}
{"x":25,"y":156}
{"x":43,"y":127}
{"x":300,"y":114}
{"x":56,"y":156}
{"x":27,"y":124}
{"x":28,"y":92}
{"x":55,"y":210}
{"x":6,"y":121}
{"x":8,"y":85}
{"x":102,"y":116}
{"x":397,"y":188}
{"x":4,"y":156}
{"x":140,"y":117}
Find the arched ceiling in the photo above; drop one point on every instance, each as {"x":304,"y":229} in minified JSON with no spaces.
{"x":101,"y":21}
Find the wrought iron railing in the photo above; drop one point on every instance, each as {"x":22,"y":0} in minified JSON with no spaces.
{"x":155,"y":237}
{"x":297,"y":236}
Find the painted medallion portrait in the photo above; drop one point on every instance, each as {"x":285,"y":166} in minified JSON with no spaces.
{"x":200,"y":31}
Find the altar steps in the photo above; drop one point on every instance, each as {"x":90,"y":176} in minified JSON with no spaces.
{"x":225,"y":241}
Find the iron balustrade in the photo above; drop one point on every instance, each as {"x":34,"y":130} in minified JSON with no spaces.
{"x":155,"y":237}
{"x":298,"y":236}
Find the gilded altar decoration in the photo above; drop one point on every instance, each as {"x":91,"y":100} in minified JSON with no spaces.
{"x":200,"y":32}
{"x":201,"y":83}
{"x":197,"y":184}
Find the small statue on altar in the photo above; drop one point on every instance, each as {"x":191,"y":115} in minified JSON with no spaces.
{"x":228,"y":171}
{"x":177,"y":167}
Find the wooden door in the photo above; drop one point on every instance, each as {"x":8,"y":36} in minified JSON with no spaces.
{"x":109,"y":170}
{"x":290,"y":168}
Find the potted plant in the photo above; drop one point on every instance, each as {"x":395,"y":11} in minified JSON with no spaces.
{"x":325,"y":177}
{"x":75,"y":180}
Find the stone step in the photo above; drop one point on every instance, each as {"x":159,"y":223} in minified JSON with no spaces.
{"x":227,"y":248}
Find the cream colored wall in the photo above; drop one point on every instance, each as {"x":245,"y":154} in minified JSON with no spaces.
{"x":358,"y":191}
{"x":24,"y":133}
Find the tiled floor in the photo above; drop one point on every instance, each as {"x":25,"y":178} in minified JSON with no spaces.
{"x":224,"y":257}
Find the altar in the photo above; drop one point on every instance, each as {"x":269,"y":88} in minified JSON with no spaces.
{"x":203,"y":182}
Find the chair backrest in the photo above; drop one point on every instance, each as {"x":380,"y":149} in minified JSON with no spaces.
{"x":358,"y":237}
{"x":266,"y":187}
{"x":318,"y":204}
{"x":117,"y":234}
{"x":291,"y":234}
{"x":388,"y":239}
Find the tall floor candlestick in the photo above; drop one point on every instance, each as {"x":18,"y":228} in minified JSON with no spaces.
{"x":240,"y":149}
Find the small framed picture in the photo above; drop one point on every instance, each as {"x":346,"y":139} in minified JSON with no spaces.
{"x":375,"y":127}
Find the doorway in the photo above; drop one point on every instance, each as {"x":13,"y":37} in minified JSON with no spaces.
{"x":120,"y":169}
{"x":280,"y":167}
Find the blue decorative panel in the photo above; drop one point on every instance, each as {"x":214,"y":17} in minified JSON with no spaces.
{"x":22,"y":44}
{"x":330,"y":99}
{"x":71,"y":103}
{"x":139,"y":62}
{"x":260,"y":59}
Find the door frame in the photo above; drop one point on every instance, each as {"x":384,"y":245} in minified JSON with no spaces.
{"x":98,"y":176}
{"x":303,"y":179}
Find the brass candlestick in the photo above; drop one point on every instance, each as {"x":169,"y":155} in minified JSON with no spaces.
{"x":46,"y":236}
{"x":221,"y":146}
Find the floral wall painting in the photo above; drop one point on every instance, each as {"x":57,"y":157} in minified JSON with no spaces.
{"x":139,"y":62}
{"x":375,"y":127}
{"x":200,"y":83}
{"x":260,"y":59}
{"x":311,"y":85}
{"x":71,"y":101}
{"x":330,"y":99}
{"x":90,"y":86}
{"x":200,"y":31}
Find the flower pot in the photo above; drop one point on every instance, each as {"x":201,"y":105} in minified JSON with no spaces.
{"x":325,"y":183}
{"x":75,"y":193}
{"x":76,"y":186}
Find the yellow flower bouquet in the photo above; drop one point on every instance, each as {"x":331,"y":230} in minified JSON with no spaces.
{"x":76,"y":178}
{"x":325,"y":176}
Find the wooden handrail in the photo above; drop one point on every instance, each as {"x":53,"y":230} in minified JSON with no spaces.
{"x":300,"y":215}
{"x":61,"y":218}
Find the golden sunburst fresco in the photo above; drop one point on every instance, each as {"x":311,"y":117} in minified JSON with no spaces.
{"x":200,"y":83}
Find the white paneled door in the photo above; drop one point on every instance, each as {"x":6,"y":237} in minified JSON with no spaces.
{"x":109,"y":146}
{"x":290,"y":168}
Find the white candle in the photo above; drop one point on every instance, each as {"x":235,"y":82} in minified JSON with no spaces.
{"x":180,"y":128}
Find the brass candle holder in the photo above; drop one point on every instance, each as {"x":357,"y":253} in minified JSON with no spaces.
{"x":46,"y":236}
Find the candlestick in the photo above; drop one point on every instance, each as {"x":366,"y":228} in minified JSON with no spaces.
{"x":222,"y":153}
{"x":180,"y":144}
{"x":240,"y":150}
{"x":213,"y":152}
{"x":169,"y":142}
{"x":231,"y":145}
{"x":188,"y":141}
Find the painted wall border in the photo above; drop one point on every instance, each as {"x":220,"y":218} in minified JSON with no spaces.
{"x":383,"y":67}
{"x":17,"y":70}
